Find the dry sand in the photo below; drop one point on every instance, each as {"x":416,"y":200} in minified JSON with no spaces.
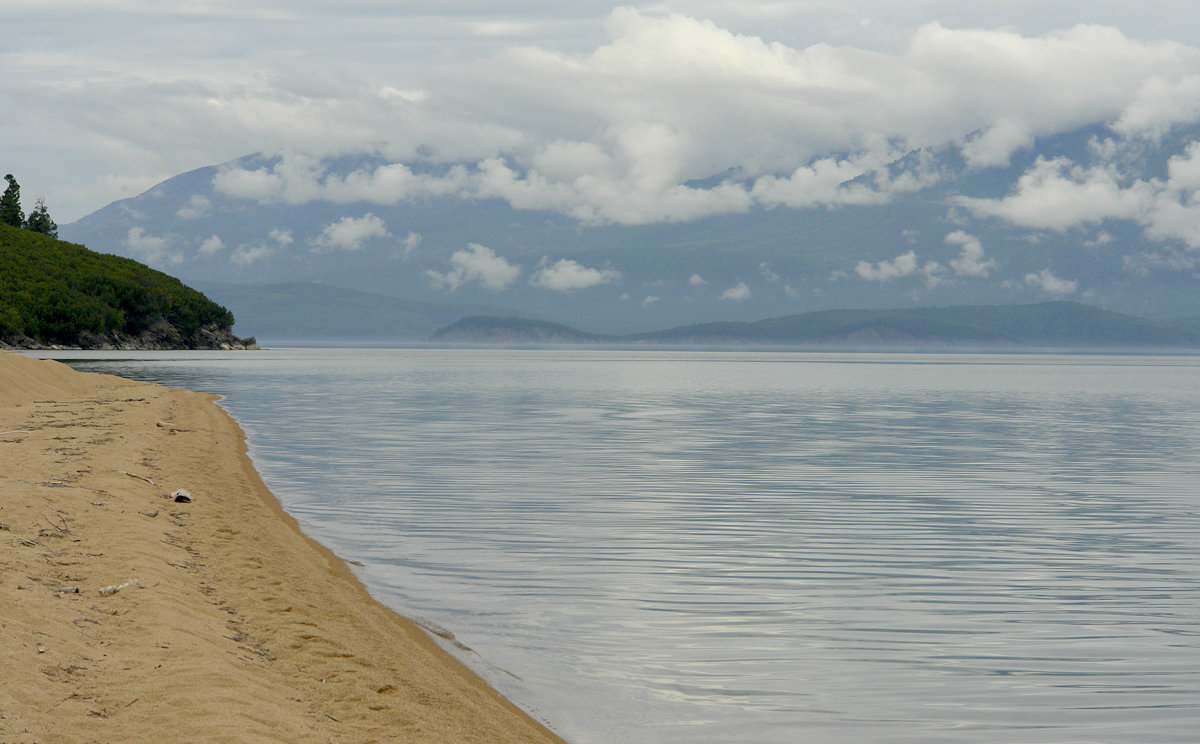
{"x":239,"y":628}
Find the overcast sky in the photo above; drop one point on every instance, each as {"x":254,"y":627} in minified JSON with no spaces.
{"x":596,"y":110}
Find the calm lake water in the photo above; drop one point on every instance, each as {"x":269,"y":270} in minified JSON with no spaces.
{"x":670,"y":547}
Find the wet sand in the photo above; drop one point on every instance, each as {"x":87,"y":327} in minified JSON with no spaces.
{"x":126,"y":616}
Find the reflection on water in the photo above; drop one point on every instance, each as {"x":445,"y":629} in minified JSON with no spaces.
{"x":687,"y":547}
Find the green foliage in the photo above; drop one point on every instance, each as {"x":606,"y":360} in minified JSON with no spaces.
{"x":54,"y":291}
{"x":10,"y":204}
{"x":39,"y":220}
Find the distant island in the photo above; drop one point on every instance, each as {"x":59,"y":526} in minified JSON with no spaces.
{"x":1042,"y":325}
{"x":55,"y":294}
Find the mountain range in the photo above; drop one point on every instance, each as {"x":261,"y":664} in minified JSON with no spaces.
{"x":1044,"y":325}
{"x":302,"y":247}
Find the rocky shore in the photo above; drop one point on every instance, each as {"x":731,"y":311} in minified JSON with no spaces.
{"x":160,"y":336}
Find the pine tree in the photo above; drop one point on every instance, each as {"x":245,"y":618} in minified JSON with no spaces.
{"x":39,"y":220}
{"x":10,"y":204}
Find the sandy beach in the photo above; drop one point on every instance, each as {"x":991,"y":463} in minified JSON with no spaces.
{"x":127,"y":616}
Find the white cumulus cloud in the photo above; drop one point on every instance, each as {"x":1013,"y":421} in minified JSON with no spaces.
{"x":197,"y":207}
{"x":151,"y":249}
{"x":609,"y":119}
{"x":885,"y":271}
{"x":1057,"y":194}
{"x":410,"y":243}
{"x":635,"y":124}
{"x":280,"y":236}
{"x":250,"y":253}
{"x":477,"y":263}
{"x":970,"y":260}
{"x":349,"y":233}
{"x":1046,"y":281}
{"x":212,"y":245}
{"x":737,"y":293}
{"x":566,"y":275}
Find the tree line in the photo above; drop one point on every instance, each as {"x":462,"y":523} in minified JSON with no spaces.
{"x":38,"y":220}
{"x":55,"y":292}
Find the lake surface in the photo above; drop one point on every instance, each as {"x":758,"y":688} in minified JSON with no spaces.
{"x":666,"y":547}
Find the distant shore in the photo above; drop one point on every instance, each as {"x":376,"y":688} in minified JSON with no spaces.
{"x":130,"y":616}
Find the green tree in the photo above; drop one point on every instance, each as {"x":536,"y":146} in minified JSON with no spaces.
{"x":39,"y":220}
{"x":10,"y":204}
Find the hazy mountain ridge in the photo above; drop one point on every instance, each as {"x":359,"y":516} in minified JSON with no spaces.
{"x":889,"y":242}
{"x":307,"y":311}
{"x":1040,"y":325}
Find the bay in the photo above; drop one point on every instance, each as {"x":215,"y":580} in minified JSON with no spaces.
{"x":668,"y":546}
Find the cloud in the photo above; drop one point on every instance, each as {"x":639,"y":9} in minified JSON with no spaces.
{"x":799,"y":103}
{"x":566,"y":275}
{"x":901,"y":266}
{"x":477,"y":263}
{"x":1047,"y":282}
{"x":410,"y":243}
{"x":737,"y":293}
{"x":297,"y":178}
{"x":970,"y":260}
{"x":349,"y":233}
{"x":668,"y":99}
{"x":639,"y":195}
{"x":650,"y":300}
{"x":151,"y":249}
{"x":1175,"y":214}
{"x":281,"y":237}
{"x":251,"y":253}
{"x":885,"y":271}
{"x":211,"y":246}
{"x":292,"y":179}
{"x":1159,"y":104}
{"x":1057,"y":194}
{"x":696,"y":280}
{"x":862,"y":179}
{"x":1142,"y":264}
{"x":996,"y":144}
{"x":197,"y":207}
{"x":933,"y":271}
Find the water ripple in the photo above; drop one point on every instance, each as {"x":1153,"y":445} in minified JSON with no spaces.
{"x":683,"y":547}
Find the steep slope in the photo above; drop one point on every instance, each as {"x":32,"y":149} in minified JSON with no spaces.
{"x":57,"y":293}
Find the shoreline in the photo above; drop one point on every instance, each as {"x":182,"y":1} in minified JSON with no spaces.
{"x":227,"y":622}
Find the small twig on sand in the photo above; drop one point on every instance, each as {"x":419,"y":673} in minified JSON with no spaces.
{"x":139,"y":477}
{"x":64,"y":528}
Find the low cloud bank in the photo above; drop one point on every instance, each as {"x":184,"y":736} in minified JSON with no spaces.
{"x":675,"y":118}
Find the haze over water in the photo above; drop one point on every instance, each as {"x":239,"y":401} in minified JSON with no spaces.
{"x":682,"y":547}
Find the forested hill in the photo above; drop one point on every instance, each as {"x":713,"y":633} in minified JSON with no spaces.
{"x":54,"y":293}
{"x":1041,"y":325}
